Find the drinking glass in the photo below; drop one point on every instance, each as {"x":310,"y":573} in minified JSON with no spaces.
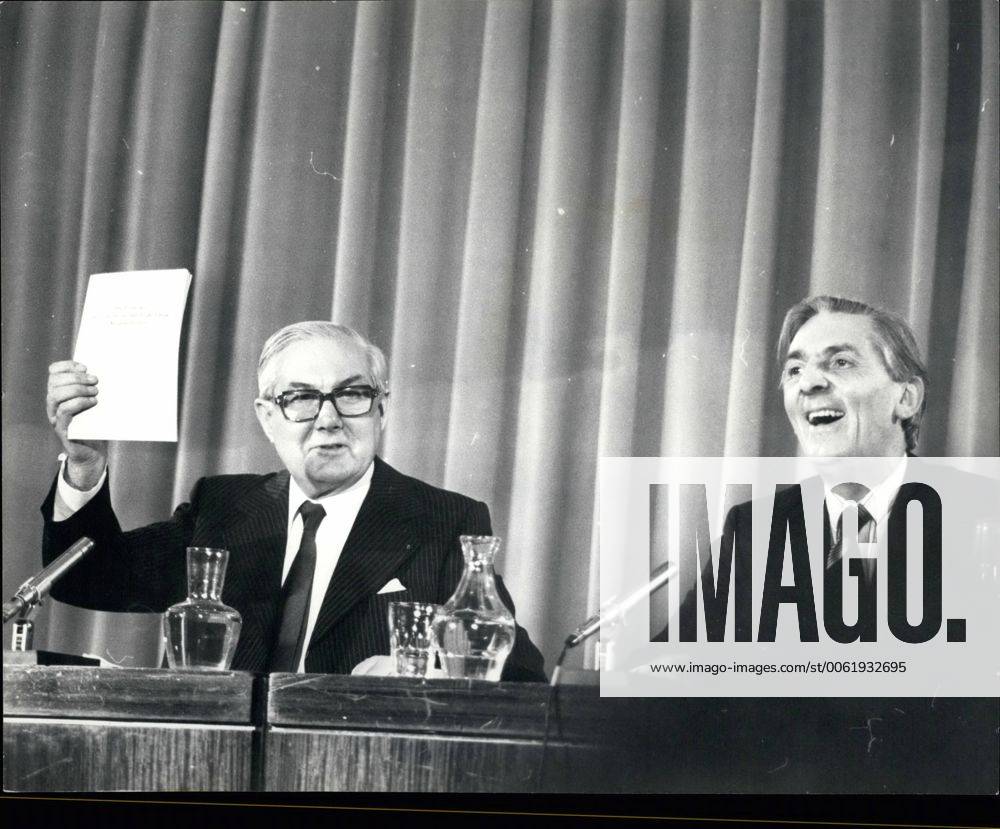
{"x":410,"y":637}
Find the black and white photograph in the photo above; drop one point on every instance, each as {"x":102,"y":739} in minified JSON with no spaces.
{"x":324,"y":322}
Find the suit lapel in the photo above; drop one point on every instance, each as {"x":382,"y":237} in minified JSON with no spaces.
{"x":257,"y":535}
{"x":382,"y":538}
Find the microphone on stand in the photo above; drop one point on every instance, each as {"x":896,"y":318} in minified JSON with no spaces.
{"x":37,"y":587}
{"x":607,"y":615}
{"x":616,"y":610}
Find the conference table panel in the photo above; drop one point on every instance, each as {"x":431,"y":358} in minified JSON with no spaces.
{"x":452,"y":706}
{"x":409,"y":734}
{"x":124,"y":693}
{"x":52,"y":755}
{"x":126,"y":729}
{"x":364,"y":761}
{"x":343,"y":733}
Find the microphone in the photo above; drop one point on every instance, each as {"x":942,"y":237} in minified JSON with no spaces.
{"x":37,"y":587}
{"x":615,"y":611}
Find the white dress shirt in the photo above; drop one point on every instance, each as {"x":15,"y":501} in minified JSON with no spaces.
{"x":341,"y":511}
{"x":69,"y":500}
{"x":878,"y":501}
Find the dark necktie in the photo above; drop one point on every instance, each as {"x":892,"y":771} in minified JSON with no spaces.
{"x":866,"y":529}
{"x":295,"y":595}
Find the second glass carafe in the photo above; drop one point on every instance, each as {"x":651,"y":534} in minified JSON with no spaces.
{"x":474,"y":630}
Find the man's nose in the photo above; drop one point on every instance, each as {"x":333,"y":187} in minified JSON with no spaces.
{"x":812,"y":379}
{"x":328,"y":417}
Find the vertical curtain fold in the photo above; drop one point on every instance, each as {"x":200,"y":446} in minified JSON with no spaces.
{"x":554,"y":472}
{"x":750,"y":355}
{"x":927,"y":164}
{"x":443,"y":85}
{"x":49,"y":48}
{"x":621,"y":393}
{"x":355,"y":267}
{"x":714,"y":180}
{"x":212,"y":338}
{"x":483,"y":381}
{"x":114,"y":57}
{"x":966,"y":36}
{"x":974,"y":418}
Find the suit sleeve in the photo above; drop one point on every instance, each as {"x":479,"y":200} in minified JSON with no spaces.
{"x":142,"y":570}
{"x":525,"y":663}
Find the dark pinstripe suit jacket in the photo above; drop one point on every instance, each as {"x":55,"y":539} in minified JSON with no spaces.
{"x":406,"y":529}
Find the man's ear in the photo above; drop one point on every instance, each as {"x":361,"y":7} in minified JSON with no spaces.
{"x":383,"y":408}
{"x":911,"y":399}
{"x":264,"y":410}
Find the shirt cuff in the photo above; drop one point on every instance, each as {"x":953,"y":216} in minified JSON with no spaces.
{"x":68,"y":500}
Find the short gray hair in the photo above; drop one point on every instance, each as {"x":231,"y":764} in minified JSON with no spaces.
{"x":894,"y":340}
{"x":378,"y":367}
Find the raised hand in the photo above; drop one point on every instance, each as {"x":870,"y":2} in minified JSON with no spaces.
{"x":72,"y":390}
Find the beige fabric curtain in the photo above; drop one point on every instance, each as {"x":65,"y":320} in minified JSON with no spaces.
{"x":573,"y":226}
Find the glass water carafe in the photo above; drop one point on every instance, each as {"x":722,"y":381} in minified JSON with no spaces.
{"x":201,"y":632}
{"x":474,"y":629}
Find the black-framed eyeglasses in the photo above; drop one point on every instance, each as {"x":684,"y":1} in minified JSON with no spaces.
{"x":299,"y":405}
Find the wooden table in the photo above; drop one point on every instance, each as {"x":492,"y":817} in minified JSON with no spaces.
{"x":72,"y":729}
{"x":371,"y":734}
{"x":93,"y":729}
{"x":377,"y":734}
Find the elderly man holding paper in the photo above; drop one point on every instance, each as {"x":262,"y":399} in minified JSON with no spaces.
{"x":374,"y":535}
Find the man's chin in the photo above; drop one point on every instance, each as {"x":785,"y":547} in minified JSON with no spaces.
{"x":332,"y":477}
{"x":833,"y":449}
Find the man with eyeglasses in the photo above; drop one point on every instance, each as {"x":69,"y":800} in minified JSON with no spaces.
{"x":316,"y":551}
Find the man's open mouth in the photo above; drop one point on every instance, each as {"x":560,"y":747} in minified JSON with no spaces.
{"x":824,"y":417}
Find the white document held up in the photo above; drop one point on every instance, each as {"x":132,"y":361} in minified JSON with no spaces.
{"x":129,"y":339}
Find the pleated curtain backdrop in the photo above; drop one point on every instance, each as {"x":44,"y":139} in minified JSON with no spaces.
{"x":573,"y":226}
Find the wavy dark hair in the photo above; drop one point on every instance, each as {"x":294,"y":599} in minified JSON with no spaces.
{"x":894,"y":340}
